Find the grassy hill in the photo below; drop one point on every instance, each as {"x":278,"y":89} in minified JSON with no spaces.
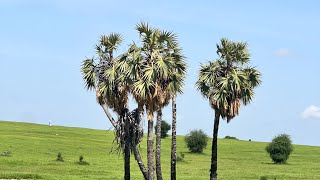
{"x":34,"y":149}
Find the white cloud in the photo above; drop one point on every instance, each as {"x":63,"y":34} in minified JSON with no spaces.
{"x":311,"y":112}
{"x":283,"y":52}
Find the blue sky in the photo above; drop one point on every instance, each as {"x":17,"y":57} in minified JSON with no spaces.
{"x":42,"y":44}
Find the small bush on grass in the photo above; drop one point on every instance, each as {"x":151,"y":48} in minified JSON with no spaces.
{"x":6,"y":153}
{"x":280,"y":148}
{"x":266,"y":178}
{"x":81,"y":161}
{"x":196,"y":141}
{"x":180,"y":157}
{"x":59,"y":157}
{"x":165,"y":127}
{"x":231,"y":137}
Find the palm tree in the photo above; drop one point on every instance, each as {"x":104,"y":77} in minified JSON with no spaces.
{"x":177,"y":81}
{"x":227,"y":82}
{"x":151,"y":70}
{"x":173,"y":85}
{"x":112,"y":92}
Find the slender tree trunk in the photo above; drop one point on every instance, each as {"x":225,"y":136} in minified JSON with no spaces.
{"x":150,"y":154}
{"x":127,"y":162}
{"x":158,"y":145}
{"x":173,"y":142}
{"x":126,"y":149}
{"x":107,"y":112}
{"x":140,"y":162}
{"x":214,"y":155}
{"x":137,"y":156}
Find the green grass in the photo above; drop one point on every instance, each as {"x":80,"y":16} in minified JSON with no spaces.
{"x":34,"y":150}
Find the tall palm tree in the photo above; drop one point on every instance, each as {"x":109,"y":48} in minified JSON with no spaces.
{"x":227,"y":82}
{"x":176,"y":84}
{"x":112,"y":92}
{"x":173,"y":85}
{"x":150,"y":69}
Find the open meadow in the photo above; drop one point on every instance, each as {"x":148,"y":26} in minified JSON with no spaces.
{"x":34,"y":150}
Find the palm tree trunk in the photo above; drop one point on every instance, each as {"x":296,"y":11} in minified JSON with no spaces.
{"x":150,"y":154}
{"x":214,"y":155}
{"x":107,"y":112}
{"x":140,"y":162}
{"x":126,"y":150}
{"x":158,"y":145}
{"x":127,"y":162}
{"x":173,"y":142}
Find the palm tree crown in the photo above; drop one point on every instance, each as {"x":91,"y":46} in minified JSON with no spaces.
{"x":228,"y":81}
{"x":103,"y":75}
{"x":155,"y":70}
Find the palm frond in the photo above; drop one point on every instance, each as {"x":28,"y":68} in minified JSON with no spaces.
{"x":176,"y":83}
{"x":233,"y":52}
{"x":144,"y":30}
{"x":88,"y":69}
{"x":254,"y":76}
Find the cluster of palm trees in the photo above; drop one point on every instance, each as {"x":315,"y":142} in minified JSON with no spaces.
{"x":153,"y":73}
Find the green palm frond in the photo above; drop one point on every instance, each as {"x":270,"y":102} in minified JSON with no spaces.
{"x":115,"y":40}
{"x":208,"y":77}
{"x":164,"y":66}
{"x":131,"y":63}
{"x":176,"y":83}
{"x":111,"y":41}
{"x":150,"y":73}
{"x":233,"y":52}
{"x":111,"y":74}
{"x":89,"y":73}
{"x":254,"y":76}
{"x":247,"y":94}
{"x":169,"y":38}
{"x":107,"y":45}
{"x":143,"y":89}
{"x":237,"y":79}
{"x":144,"y":29}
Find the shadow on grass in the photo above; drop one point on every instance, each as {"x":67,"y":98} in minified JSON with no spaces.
{"x":20,"y":176}
{"x":271,"y":177}
{"x":277,"y":164}
{"x":199,"y":154}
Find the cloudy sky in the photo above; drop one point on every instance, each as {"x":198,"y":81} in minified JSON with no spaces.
{"x":42,"y":44}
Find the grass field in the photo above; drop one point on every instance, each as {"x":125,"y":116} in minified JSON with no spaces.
{"x":34,"y":149}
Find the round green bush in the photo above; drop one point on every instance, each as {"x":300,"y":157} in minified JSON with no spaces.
{"x":196,"y":141}
{"x":165,"y":127}
{"x":280,"y":148}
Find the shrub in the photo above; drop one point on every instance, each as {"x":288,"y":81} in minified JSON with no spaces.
{"x":165,"y":127}
{"x":81,"y":161}
{"x":6,"y":153}
{"x":59,"y":157}
{"x":180,"y":157}
{"x":266,"y":178}
{"x":280,"y":148}
{"x":81,"y":158}
{"x":196,"y":141}
{"x":263,"y":178}
{"x":230,"y":137}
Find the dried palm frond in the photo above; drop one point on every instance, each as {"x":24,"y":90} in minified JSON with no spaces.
{"x":129,"y":130}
